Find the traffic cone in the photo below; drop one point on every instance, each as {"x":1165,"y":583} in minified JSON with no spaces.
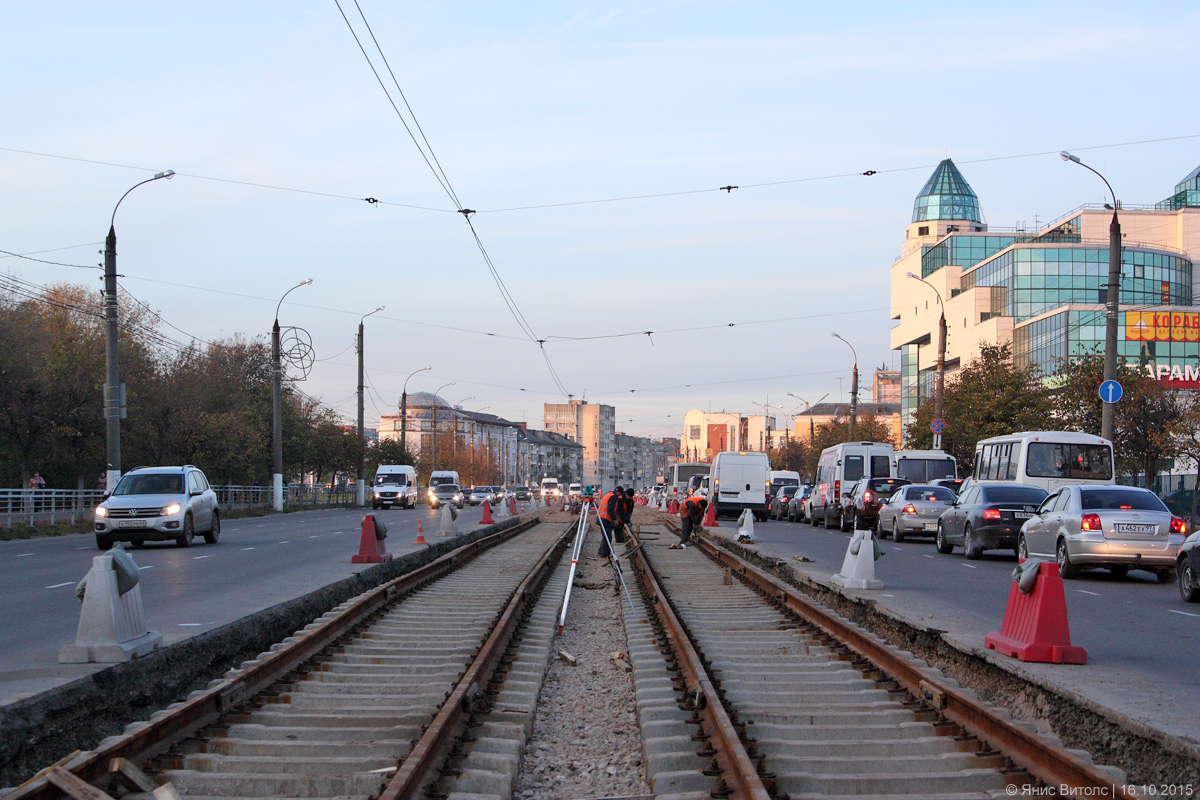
{"x":371,"y":549}
{"x":487,"y":514}
{"x":710,"y":517}
{"x":512,"y":506}
{"x":420,"y":533}
{"x":522,"y":508}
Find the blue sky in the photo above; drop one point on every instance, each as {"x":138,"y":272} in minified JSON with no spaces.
{"x":535,"y":103}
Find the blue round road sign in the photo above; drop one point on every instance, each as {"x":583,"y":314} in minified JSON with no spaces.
{"x":1111,"y":391}
{"x":938,"y":425}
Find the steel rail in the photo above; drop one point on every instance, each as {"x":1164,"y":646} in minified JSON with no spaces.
{"x":182,"y":721}
{"x":737,"y":768}
{"x":418,"y":767}
{"x":1045,"y":761}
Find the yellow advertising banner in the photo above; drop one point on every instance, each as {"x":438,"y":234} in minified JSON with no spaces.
{"x":1162,"y":326}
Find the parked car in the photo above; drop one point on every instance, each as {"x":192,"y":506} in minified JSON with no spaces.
{"x":155,"y":504}
{"x":798,"y":503}
{"x":446,"y":494}
{"x":913,"y":510}
{"x":953,"y":484}
{"x":480,"y":495}
{"x":987,"y":516}
{"x":779,"y":501}
{"x":1187,"y":567}
{"x":862,"y":508}
{"x":1116,"y":527}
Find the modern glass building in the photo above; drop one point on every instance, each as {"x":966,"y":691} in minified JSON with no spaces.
{"x":1044,"y":290}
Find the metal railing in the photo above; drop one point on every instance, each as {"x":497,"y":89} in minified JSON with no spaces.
{"x":32,"y":506}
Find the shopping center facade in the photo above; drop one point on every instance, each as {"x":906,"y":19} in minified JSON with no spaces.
{"x":1043,"y":291}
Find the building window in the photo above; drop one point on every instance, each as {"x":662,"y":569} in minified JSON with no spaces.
{"x":923,"y":230}
{"x":694,"y":432}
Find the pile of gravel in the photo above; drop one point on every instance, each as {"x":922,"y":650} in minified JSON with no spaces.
{"x":586,"y":741}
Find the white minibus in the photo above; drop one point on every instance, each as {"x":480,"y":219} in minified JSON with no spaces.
{"x":924,"y":466}
{"x":838,"y":468}
{"x":1048,"y":459}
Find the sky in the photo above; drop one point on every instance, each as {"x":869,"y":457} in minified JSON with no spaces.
{"x":545,"y":104}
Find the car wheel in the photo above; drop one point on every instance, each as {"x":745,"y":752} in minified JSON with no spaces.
{"x":103,"y":542}
{"x":761,"y":516}
{"x":1065,"y":568}
{"x":137,"y":542}
{"x":1189,"y":590}
{"x":189,"y":532}
{"x":943,"y":547}
{"x":214,"y":533}
{"x":971,"y":548}
{"x":1022,"y":548}
{"x":1118,"y":571}
{"x":897,"y":532}
{"x":843,"y":526}
{"x":1166,"y":575}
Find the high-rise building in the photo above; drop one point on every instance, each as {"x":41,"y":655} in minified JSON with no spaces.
{"x":1043,"y":290}
{"x":886,"y":388}
{"x":593,"y":425}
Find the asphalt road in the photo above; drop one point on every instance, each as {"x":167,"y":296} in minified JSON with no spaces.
{"x":258,"y":563}
{"x":1142,"y":640}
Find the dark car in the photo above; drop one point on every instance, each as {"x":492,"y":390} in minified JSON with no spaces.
{"x":523,"y":493}
{"x":779,"y":502}
{"x":953,"y":484}
{"x":1187,"y":569}
{"x":862,"y":511}
{"x":796,"y":505}
{"x":446,"y":494}
{"x":987,"y":516}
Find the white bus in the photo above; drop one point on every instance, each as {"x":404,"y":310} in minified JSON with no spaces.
{"x":679,"y":475}
{"x":1048,"y":459}
{"x":923,"y":466}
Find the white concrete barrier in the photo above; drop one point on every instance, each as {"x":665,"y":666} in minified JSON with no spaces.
{"x":858,"y":565}
{"x":449,"y":522}
{"x":112,"y":626}
{"x":745,"y":532}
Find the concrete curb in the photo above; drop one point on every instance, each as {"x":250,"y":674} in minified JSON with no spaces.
{"x":39,"y":730}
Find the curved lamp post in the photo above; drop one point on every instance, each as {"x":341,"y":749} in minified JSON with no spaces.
{"x":114,"y":405}
{"x":435,"y":399}
{"x":455,"y":407}
{"x":404,"y":407}
{"x":1113,"y":300}
{"x":362,"y":444}
{"x":277,"y":405}
{"x":940,"y":390}
{"x":853,"y":388}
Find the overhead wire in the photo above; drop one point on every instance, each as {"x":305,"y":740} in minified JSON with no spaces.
{"x":10,"y":254}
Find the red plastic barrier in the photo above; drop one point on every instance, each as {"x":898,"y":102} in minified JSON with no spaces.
{"x":673,"y":506}
{"x":512,"y":506}
{"x":487,"y":514}
{"x":1035,"y":625}
{"x":371,"y":549}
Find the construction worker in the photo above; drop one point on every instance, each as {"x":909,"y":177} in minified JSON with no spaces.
{"x":692,"y":512}
{"x":609,"y":510}
{"x":625,"y":510}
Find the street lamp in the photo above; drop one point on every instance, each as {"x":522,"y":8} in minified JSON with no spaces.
{"x":853,"y":388}
{"x":277,"y":404}
{"x":812,"y":428}
{"x":940,"y":391}
{"x":114,"y":401}
{"x":404,"y":407}
{"x":1107,"y":411}
{"x":362,"y":452}
{"x":455,"y":409}
{"x":435,"y":399}
{"x":767,"y":424}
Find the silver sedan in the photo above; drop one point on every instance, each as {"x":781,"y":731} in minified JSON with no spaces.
{"x":913,"y":511}
{"x":1118,"y":528}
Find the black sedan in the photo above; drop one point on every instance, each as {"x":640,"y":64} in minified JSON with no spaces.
{"x":987,"y":516}
{"x":1187,"y":569}
{"x":523,"y":493}
{"x":779,"y":502}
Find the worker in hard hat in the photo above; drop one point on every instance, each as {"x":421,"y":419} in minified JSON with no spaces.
{"x":691,"y":511}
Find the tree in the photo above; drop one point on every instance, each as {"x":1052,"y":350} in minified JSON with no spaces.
{"x":387,"y":451}
{"x":988,"y":397}
{"x":793,"y":455}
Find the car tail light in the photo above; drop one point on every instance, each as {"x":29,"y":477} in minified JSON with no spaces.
{"x":909,"y":509}
{"x":1091,"y":522}
{"x":837,"y":488}
{"x":1178,"y":526}
{"x":867,"y":496}
{"x":991,"y":513}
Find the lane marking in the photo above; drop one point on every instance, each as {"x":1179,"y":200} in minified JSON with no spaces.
{"x":888,"y":595}
{"x":970,"y":566}
{"x":898,"y":549}
{"x":924,"y":554}
{"x":197,"y":558}
{"x":190,"y":624}
{"x":1184,"y":613}
{"x":244,"y":549}
{"x":1085,"y":591}
{"x":286,"y":541}
{"x":57,"y":585}
{"x":23,"y":555}
{"x":312,"y":537}
{"x":148,"y":566}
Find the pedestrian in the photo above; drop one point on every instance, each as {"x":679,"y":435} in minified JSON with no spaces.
{"x":610,"y":514}
{"x":692,"y":512}
{"x":37,"y":482}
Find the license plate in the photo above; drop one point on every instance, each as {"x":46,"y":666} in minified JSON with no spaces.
{"x":131,"y":523}
{"x":1131,"y":527}
{"x":931,"y":526}
{"x":1022,"y":515}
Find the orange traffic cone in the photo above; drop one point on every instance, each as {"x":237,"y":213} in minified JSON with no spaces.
{"x":420,"y":533}
{"x":710,"y":517}
{"x":487,"y":514}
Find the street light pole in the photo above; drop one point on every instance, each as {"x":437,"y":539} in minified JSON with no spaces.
{"x":853,"y":388}
{"x":404,"y":408}
{"x":940,"y":390}
{"x":362,"y":445}
{"x":435,"y":399}
{"x":1108,"y":410}
{"x":277,"y":405}
{"x":454,"y":409}
{"x":114,"y":400}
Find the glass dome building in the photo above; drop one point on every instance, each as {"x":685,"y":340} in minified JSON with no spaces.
{"x":946,"y":195}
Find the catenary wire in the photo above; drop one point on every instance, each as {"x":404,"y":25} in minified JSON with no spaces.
{"x":10,"y":254}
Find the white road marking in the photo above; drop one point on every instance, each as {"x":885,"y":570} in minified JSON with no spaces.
{"x":244,"y":549}
{"x":190,"y":624}
{"x":286,"y":541}
{"x":927,"y":555}
{"x":889,"y":595}
{"x":148,"y":566}
{"x":313,"y":537}
{"x":898,"y":549}
{"x":970,"y":566}
{"x":57,"y":585}
{"x":1085,"y":591}
{"x":23,"y":555}
{"x":197,"y":558}
{"x":1184,"y":613}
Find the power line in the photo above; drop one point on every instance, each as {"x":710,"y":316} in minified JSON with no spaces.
{"x":55,"y":263}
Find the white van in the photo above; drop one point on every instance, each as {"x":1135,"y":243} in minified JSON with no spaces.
{"x":783,"y":477}
{"x":680,"y":475}
{"x":925,"y":466}
{"x":838,"y":468}
{"x":395,"y":485}
{"x":1048,"y":459}
{"x":551,"y":490}
{"x":740,"y":481}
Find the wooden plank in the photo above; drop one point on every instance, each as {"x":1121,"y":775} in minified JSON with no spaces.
{"x":74,"y":787}
{"x":125,"y":773}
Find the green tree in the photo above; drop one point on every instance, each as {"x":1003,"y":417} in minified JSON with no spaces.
{"x":988,"y":397}
{"x":387,"y":451}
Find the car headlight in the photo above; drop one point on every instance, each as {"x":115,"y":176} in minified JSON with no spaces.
{"x":101,"y":511}
{"x":171,"y":509}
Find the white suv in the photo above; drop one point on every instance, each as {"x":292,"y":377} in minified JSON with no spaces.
{"x":158,"y":504}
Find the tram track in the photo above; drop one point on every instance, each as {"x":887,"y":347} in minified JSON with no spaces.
{"x":819,"y":707}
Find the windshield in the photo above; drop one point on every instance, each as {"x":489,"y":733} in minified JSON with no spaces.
{"x":1014,"y":494}
{"x":150,"y":484}
{"x":787,"y":491}
{"x":923,"y":470}
{"x":442,"y":480}
{"x":1089,"y":462}
{"x":931,"y":494}
{"x":1113,"y":499}
{"x":684,"y":474}
{"x":446,"y":488}
{"x":391,"y":479}
{"x":785,"y":482}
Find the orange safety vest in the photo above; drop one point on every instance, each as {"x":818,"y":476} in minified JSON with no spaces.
{"x":603,"y":508}
{"x":691,"y":501}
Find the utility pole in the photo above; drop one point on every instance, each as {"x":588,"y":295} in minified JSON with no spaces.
{"x":435,"y":407}
{"x":404,"y":408}
{"x":940,"y":389}
{"x":853,"y":388}
{"x":114,"y":390}
{"x":277,"y":405}
{"x":362,"y":442}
